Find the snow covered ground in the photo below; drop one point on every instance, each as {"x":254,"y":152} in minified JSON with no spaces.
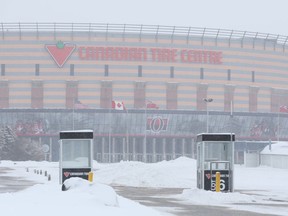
{"x":260,"y":189}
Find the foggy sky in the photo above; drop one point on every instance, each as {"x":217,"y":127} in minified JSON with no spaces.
{"x":265,"y":16}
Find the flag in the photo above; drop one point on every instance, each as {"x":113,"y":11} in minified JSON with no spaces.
{"x":151,"y":105}
{"x":118,"y":105}
{"x":283,"y":109}
{"x":79,"y":105}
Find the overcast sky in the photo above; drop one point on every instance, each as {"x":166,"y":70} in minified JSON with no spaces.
{"x":265,"y":16}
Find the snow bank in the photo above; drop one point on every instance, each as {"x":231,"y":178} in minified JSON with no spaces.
{"x":179,"y":173}
{"x":199,"y":197}
{"x":279,"y":148}
{"x":82,"y":199}
{"x":102,"y":194}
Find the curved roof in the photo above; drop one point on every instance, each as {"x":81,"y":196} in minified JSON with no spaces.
{"x":155,"y":30}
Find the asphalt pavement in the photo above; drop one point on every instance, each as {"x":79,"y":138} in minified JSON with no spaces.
{"x":161,"y":199}
{"x":12,"y":184}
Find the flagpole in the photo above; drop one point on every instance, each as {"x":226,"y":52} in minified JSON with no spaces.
{"x":73,"y":113}
{"x":145,"y":134}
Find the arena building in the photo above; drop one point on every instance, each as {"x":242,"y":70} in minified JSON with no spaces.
{"x":174,"y":82}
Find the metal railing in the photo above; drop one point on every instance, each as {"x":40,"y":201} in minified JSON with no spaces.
{"x":142,"y":30}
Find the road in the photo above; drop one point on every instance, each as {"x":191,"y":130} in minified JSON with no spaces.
{"x":161,"y":199}
{"x":12,"y":184}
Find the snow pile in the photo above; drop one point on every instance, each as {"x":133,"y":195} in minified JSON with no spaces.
{"x":179,"y":173}
{"x":199,"y":197}
{"x":279,"y":148}
{"x":102,"y":194}
{"x":47,"y":198}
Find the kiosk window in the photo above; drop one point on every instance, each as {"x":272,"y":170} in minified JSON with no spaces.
{"x":76,"y":153}
{"x":216,"y":151}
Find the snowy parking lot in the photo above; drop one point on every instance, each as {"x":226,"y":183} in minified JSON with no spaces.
{"x":258,"y":189}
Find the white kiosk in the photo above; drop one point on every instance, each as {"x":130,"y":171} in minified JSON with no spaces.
{"x":76,"y":154}
{"x":215,"y":153}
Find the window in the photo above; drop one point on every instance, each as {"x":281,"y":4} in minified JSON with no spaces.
{"x":72,"y":70}
{"x":201,"y":73}
{"x":37,"y":70}
{"x":139,"y":70}
{"x":229,"y":74}
{"x":76,"y":153}
{"x":171,"y":72}
{"x":106,"y":71}
{"x":253,"y":76}
{"x":2,"y":69}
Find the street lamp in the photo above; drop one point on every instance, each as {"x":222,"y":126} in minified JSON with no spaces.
{"x":207,"y":101}
{"x":145,"y":131}
{"x":127,"y":136}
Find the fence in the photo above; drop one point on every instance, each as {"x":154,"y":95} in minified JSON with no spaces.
{"x":140,"y":31}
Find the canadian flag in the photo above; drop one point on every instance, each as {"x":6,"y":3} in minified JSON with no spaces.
{"x":118,"y":105}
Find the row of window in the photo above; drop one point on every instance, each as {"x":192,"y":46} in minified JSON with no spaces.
{"x":140,"y":72}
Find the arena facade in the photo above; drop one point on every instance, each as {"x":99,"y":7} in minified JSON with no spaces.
{"x":61,"y":76}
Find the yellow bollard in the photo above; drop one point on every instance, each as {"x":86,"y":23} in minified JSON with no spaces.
{"x":218,"y":181}
{"x":90,"y":176}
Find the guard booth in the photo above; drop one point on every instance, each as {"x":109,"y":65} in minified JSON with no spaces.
{"x":215,"y":153}
{"x":76,"y":154}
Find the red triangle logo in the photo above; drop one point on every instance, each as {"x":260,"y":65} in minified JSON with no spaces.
{"x":66,"y":174}
{"x":60,"y":52}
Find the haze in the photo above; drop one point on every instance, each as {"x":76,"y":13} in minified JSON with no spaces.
{"x":265,"y":16}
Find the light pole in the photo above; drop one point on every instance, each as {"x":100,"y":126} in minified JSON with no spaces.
{"x":109,"y":136}
{"x":207,"y":101}
{"x":127,"y":136}
{"x":145,"y":132}
{"x":145,"y":135}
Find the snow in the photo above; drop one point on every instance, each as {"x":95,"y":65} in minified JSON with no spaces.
{"x":47,"y":198}
{"x":278,"y":148}
{"x":258,"y":189}
{"x":101,"y":193}
{"x":165,"y":174}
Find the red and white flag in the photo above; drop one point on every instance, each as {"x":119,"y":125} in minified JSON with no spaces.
{"x":283,"y":109}
{"x":79,"y":105}
{"x":118,"y":105}
{"x":151,"y":105}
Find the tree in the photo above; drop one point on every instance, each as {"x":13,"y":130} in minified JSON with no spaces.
{"x":7,"y":141}
{"x":18,"y":148}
